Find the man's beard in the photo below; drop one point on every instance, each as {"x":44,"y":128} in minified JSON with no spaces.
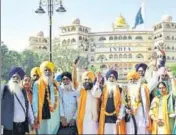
{"x":111,"y":87}
{"x":14,"y":86}
{"x":47,"y":79}
{"x":68,"y":87}
{"x":133,"y":86}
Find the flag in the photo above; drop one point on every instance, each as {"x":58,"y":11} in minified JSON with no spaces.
{"x":139,"y":16}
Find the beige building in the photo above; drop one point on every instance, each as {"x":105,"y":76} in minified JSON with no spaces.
{"x":121,"y":47}
{"x":39,"y":42}
{"x":165,"y":36}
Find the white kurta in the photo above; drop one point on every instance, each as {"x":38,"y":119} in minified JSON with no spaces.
{"x":141,"y":118}
{"x":90,"y":123}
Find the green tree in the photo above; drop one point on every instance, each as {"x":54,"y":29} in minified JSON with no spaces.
{"x":173,"y":69}
{"x":64,"y":57}
{"x":29,"y":59}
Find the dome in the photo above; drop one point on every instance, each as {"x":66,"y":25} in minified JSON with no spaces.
{"x":76,"y":21}
{"x":120,"y":21}
{"x":40,"y":34}
{"x":166,"y":18}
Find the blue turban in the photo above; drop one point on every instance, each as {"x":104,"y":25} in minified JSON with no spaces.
{"x":67,"y":74}
{"x":17,"y":70}
{"x":59,"y":77}
{"x":111,"y":72}
{"x":144,"y":66}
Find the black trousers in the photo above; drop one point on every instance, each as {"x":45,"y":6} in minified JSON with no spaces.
{"x":67,"y":130}
{"x":18,"y":129}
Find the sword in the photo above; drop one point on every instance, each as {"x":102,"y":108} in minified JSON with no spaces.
{"x":134,"y":120}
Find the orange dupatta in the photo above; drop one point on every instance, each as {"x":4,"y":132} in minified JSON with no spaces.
{"x":117,"y":103}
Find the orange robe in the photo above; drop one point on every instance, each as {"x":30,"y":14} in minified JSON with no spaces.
{"x":117,"y":103}
{"x":41,"y":97}
{"x":81,"y":110}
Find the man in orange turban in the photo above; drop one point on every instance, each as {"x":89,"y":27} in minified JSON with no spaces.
{"x":45,"y":101}
{"x":35,"y":74}
{"x":135,"y":107}
{"x":88,"y":106}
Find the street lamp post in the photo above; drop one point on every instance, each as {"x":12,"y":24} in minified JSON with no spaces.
{"x":50,"y":4}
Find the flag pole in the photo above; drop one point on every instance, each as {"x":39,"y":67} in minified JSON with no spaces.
{"x":144,"y":12}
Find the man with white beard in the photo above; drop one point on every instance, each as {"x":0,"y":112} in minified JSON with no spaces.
{"x":45,"y":101}
{"x":135,"y":108}
{"x":68,"y":105}
{"x":110,"y":105}
{"x":16,"y":112}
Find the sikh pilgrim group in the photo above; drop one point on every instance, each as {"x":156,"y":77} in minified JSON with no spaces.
{"x":45,"y":103}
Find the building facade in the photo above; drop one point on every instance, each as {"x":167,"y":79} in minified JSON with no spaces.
{"x":39,"y":42}
{"x":122,"y":47}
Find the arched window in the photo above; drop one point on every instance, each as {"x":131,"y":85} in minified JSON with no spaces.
{"x":173,"y":58}
{"x":68,"y":29}
{"x":125,"y":56}
{"x":124,"y":37}
{"x":73,"y":40}
{"x":155,"y":37}
{"x":130,"y":56}
{"x":92,"y":58}
{"x":115,"y":38}
{"x":102,"y":38}
{"x":168,"y":58}
{"x":139,"y":56}
{"x":120,"y":37}
{"x":80,"y":29}
{"x":64,"y":41}
{"x":110,"y":38}
{"x":160,"y":35}
{"x":73,"y":28}
{"x":44,"y":40}
{"x":172,"y":48}
{"x":80,"y":38}
{"x":115,"y":56}
{"x":168,"y":48}
{"x":172,"y":37}
{"x":167,"y":25}
{"x":139,"y":38}
{"x":45,"y":48}
{"x":167,"y":38}
{"x":130,"y":37}
{"x":86,"y":31}
{"x":110,"y":56}
{"x":120,"y":56}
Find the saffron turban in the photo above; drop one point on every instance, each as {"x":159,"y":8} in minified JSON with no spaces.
{"x":133,"y":75}
{"x":67,"y":74}
{"x":17,"y":70}
{"x":112,"y":72}
{"x":35,"y":70}
{"x":47,"y":64}
{"x":143,"y":65}
{"x":89,"y":74}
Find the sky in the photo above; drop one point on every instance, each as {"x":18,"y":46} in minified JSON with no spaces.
{"x":19,"y":21}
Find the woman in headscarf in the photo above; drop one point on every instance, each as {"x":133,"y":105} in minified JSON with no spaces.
{"x":159,"y":111}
